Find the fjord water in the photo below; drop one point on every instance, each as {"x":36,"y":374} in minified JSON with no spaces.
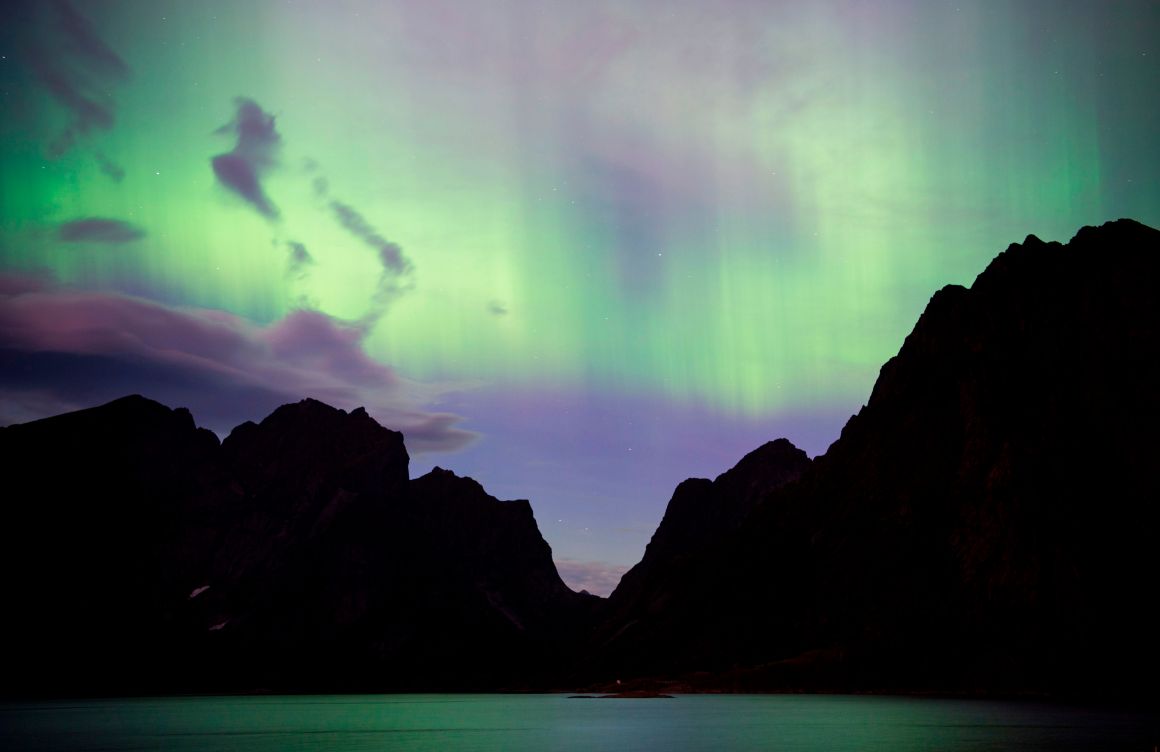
{"x":515,"y":723}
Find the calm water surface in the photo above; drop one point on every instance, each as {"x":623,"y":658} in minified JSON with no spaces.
{"x":515,"y":723}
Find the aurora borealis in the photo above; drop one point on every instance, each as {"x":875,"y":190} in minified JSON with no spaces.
{"x":576,"y":250}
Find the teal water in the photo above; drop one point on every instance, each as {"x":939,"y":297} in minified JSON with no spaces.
{"x":515,"y":723}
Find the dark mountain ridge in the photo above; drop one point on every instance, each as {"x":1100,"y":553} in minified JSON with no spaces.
{"x":296,"y":554}
{"x":987,"y":522}
{"x":701,"y":515}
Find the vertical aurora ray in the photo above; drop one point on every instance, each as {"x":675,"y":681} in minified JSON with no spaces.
{"x":733,"y":212}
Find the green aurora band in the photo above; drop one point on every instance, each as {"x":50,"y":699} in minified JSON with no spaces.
{"x":737,"y":206}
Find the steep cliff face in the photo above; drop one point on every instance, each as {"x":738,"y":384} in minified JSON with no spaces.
{"x":643,"y":621}
{"x":295,"y":555}
{"x":491,"y":602}
{"x":987,"y":520}
{"x":102,"y":521}
{"x":295,"y":586}
{"x":700,"y":511}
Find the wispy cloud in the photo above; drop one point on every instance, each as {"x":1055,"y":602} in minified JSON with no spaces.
{"x":390,"y":255}
{"x":396,"y":272}
{"x":86,"y":43}
{"x":115,"y":172}
{"x":395,"y":266}
{"x":99,"y":230}
{"x":300,"y":259}
{"x":254,"y":152}
{"x":67,"y":58}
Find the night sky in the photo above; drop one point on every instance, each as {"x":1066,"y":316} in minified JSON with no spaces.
{"x":579,"y":251}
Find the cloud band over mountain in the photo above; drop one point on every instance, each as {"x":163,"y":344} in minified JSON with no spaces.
{"x":62,"y":348}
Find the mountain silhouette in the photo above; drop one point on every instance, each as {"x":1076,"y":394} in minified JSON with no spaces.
{"x":296,"y":554}
{"x":702,"y":515}
{"x":987,"y":523}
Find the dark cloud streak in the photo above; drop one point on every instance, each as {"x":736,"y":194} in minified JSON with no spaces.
{"x":255,"y":151}
{"x":395,"y":266}
{"x":84,"y":40}
{"x":390,"y":255}
{"x":111,"y":168}
{"x":99,"y":230}
{"x":300,"y":258}
{"x":66,"y":56}
{"x":88,"y":114}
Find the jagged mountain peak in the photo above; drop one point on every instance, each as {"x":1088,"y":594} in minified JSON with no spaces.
{"x":984,"y":522}
{"x":295,"y":554}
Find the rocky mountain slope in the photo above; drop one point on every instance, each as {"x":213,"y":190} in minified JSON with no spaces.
{"x":988,"y":521}
{"x":642,"y":629}
{"x":143,"y":556}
